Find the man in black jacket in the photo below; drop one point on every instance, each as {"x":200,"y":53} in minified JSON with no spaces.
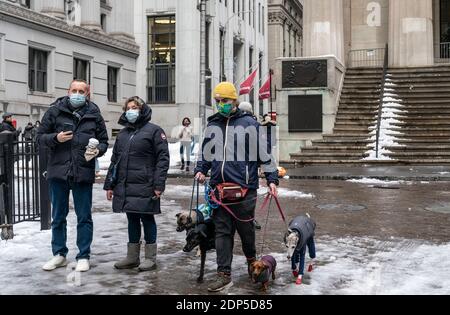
{"x":65,"y":130}
{"x":7,"y":124}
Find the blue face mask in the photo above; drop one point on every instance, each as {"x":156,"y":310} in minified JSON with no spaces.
{"x":132,"y":115}
{"x":77,"y":100}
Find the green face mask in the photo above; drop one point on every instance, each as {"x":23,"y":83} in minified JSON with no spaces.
{"x":225,"y":109}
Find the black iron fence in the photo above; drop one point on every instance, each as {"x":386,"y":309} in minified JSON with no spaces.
{"x":23,"y":188}
{"x":442,"y":53}
{"x":362,"y":58}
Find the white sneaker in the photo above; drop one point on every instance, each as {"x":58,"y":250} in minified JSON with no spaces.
{"x":55,"y":262}
{"x":83,"y":265}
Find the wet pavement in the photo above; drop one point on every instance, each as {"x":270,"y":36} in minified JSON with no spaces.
{"x":371,"y":239}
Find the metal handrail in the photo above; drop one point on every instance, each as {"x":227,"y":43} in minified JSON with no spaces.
{"x":383,"y":85}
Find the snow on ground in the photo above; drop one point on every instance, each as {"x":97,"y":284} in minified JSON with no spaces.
{"x":344,"y":265}
{"x":374,"y":181}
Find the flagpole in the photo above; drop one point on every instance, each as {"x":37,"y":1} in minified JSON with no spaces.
{"x":271,"y":94}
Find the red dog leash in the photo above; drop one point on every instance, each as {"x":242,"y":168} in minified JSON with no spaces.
{"x":268,"y":197}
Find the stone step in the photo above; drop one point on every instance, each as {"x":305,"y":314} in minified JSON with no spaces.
{"x":346,"y":137}
{"x":421,"y":89}
{"x":435,"y":69}
{"x":361,"y":93}
{"x":363,"y":77}
{"x":358,"y":81}
{"x":356,"y":116}
{"x":352,"y":130}
{"x":362,"y":85}
{"x":342,"y":143}
{"x":422,"y":125}
{"x":419,"y":85}
{"x":425,"y":112}
{"x":360,"y":97}
{"x":414,"y":80}
{"x":408,"y":117}
{"x":419,"y":148}
{"x":372,"y":162}
{"x":419,"y":155}
{"x":355,"y":123}
{"x":421,"y":135}
{"x":421,"y":130}
{"x":434,"y":75}
{"x":413,"y":101}
{"x":422,"y":107}
{"x":357,"y":111}
{"x":331,"y":149}
{"x":330,"y":156}
{"x":419,"y":96}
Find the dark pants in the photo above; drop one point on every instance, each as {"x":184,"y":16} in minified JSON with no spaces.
{"x":134,"y":228}
{"x":226,"y":226}
{"x":82,"y":199}
{"x":299,"y":256}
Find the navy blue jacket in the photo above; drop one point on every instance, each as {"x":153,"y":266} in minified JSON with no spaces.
{"x":66,"y":160}
{"x":143,"y":166}
{"x":236,"y":167}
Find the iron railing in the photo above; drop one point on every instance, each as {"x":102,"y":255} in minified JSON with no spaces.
{"x":380,"y":108}
{"x":366,"y":58}
{"x":442,"y":53}
{"x":23,"y":188}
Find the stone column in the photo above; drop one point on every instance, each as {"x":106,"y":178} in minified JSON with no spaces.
{"x":323,"y":22}
{"x":122,"y":19}
{"x":411,"y":33}
{"x":90,"y":14}
{"x":54,"y":8}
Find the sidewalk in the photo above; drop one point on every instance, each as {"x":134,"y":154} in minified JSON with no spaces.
{"x":407,"y":173}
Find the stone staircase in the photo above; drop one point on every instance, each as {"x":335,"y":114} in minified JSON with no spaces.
{"x":422,"y":123}
{"x":425,"y":117}
{"x":356,"y":116}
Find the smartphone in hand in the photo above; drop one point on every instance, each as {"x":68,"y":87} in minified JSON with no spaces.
{"x":68,"y":127}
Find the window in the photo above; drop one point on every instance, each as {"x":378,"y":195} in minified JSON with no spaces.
{"x":82,"y":70}
{"x":254,"y":13}
{"x":445,"y":21}
{"x":251,"y":69}
{"x":222,"y":56}
{"x":113,"y":75}
{"x":208,"y":74}
{"x":259,"y":17}
{"x":103,"y":21}
{"x":263,"y":22}
{"x":2,"y":60}
{"x":161,"y":59}
{"x":234,"y":6}
{"x":37,"y":70}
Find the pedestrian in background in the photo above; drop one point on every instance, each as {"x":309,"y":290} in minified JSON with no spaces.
{"x":186,"y":139}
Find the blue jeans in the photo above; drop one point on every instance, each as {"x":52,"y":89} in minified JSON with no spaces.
{"x":82,"y":198}
{"x":134,"y":228}
{"x":299,"y":256}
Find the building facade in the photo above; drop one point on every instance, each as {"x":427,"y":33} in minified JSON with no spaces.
{"x":45,"y":44}
{"x":342,"y":34}
{"x":168,"y":68}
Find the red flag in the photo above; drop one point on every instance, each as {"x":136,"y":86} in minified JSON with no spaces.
{"x":264,"y":91}
{"x":247,"y":85}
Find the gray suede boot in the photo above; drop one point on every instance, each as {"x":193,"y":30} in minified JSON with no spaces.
{"x":132,"y":260}
{"x":150,"y":258}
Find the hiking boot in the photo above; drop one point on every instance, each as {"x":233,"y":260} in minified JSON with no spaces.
{"x":132,"y":259}
{"x":222,"y":282}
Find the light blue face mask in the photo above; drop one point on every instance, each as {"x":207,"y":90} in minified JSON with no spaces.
{"x":77,"y":100}
{"x":132,"y":115}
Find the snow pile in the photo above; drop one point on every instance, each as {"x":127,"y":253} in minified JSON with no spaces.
{"x":374,"y":181}
{"x":287,"y":193}
{"x":392,"y":109}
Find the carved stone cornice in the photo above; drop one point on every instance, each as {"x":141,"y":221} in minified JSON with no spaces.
{"x":280,"y":17}
{"x":28,"y":18}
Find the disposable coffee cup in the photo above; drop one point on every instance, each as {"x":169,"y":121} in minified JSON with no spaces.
{"x":93,"y":143}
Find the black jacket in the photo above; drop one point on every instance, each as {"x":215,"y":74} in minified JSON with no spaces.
{"x":66,"y":160}
{"x":29,"y":133}
{"x":142,"y":168}
{"x":7,"y":126}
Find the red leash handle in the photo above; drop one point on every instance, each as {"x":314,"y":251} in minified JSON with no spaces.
{"x":266,"y":201}
{"x":214,"y":199}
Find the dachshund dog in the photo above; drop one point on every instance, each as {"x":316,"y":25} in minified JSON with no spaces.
{"x":262,"y":269}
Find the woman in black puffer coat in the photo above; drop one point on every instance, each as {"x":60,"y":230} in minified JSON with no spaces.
{"x":136,"y":179}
